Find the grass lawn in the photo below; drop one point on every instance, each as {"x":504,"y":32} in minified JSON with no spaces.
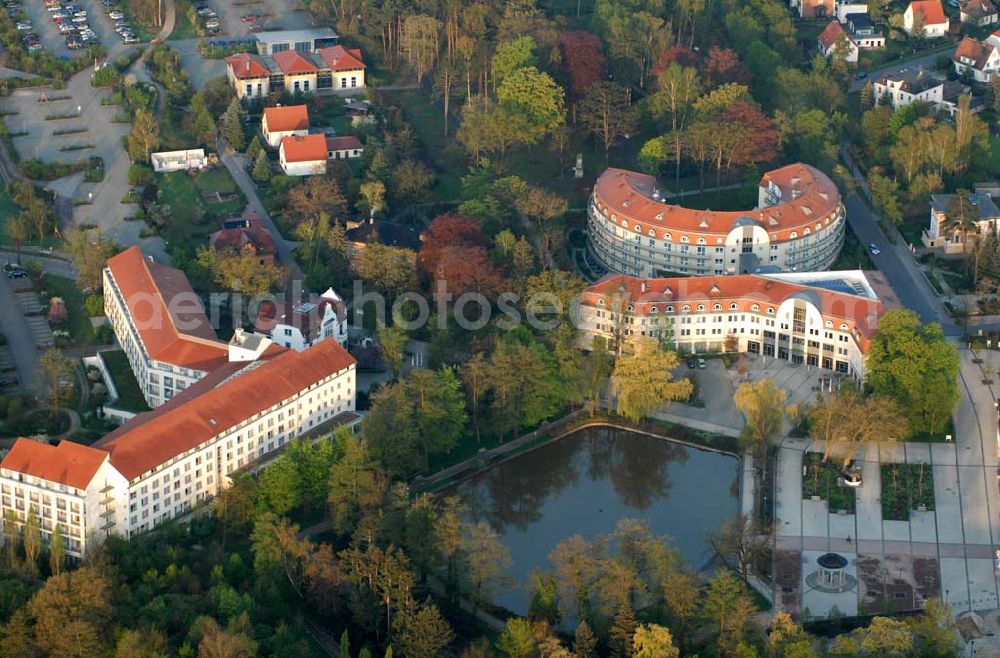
{"x":906,"y":487}
{"x":129,"y":394}
{"x":183,"y":28}
{"x":993,"y":163}
{"x":78,"y":322}
{"x":192,"y":218}
{"x":823,"y":480}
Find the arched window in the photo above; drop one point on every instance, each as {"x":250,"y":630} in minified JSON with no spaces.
{"x":686,"y":308}
{"x":614,"y":218}
{"x":770,"y":310}
{"x":717,"y":307}
{"x":670,"y":309}
{"x":654,"y":310}
{"x":667,"y":236}
{"x":819,"y":227}
{"x":701,"y":240}
{"x":843,"y":326}
{"x":793,"y":235}
{"x":829,"y":325}
{"x":684,"y":238}
{"x":652,"y":233}
{"x":807,"y":231}
{"x":733,"y":306}
{"x":638,"y":229}
{"x":600,"y":302}
{"x":755,"y":308}
{"x":701,"y":307}
{"x":629,"y":308}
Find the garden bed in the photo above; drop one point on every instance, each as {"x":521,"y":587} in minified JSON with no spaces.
{"x":823,"y":480}
{"x":129,"y":394}
{"x":906,"y":487}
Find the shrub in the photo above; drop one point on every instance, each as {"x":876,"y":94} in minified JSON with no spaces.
{"x":139,"y":174}
{"x":94,"y":305}
{"x":57,"y":311}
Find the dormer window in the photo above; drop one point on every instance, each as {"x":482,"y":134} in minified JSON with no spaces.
{"x":701,"y":307}
{"x":717,"y":307}
{"x":733,"y":306}
{"x":686,"y":308}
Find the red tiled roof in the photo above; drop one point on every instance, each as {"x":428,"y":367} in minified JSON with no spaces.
{"x":808,"y":197}
{"x":290,"y":117}
{"x":235,"y":239}
{"x":304,"y":148}
{"x":829,"y":36}
{"x":292,"y":62}
{"x":932,"y":11}
{"x":339,"y":58}
{"x":343,"y":143}
{"x":246,"y":65}
{"x":975,"y":50}
{"x":860,"y":313}
{"x":68,"y":463}
{"x":216,"y":403}
{"x":978,"y":9}
{"x":167,"y":313}
{"x":306,"y":318}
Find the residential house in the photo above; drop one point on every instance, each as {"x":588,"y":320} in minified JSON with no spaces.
{"x":845,"y":8}
{"x":188,"y":160}
{"x":814,"y":8}
{"x":909,"y":87}
{"x":978,"y":12}
{"x":343,"y":147}
{"x":302,"y":324}
{"x":979,"y":59}
{"x":280,"y":122}
{"x":303,"y":155}
{"x":304,"y":41}
{"x":162,"y":464}
{"x":246,"y":235}
{"x":833,"y":42}
{"x":946,"y":236}
{"x":928,"y":13}
{"x":862,"y":32}
{"x":333,"y":68}
{"x":361,"y":234}
{"x":820,"y":319}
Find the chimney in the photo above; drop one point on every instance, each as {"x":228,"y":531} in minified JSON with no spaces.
{"x":642,"y":286}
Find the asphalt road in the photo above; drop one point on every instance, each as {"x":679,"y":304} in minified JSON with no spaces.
{"x":19,"y":340}
{"x":913,"y":291}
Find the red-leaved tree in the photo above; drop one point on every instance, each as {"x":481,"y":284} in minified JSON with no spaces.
{"x":722,"y":66}
{"x":456,"y":251}
{"x":582,"y":62}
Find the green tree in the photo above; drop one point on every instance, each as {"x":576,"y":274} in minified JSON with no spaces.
{"x":728,"y":607}
{"x":512,"y":55}
{"x":653,"y":641}
{"x":390,"y":270}
{"x":487,"y":560}
{"x":885,"y":196}
{"x":255,"y":147}
{"x":642,"y":382}
{"x":57,"y":551}
{"x":261,"y":168}
{"x":763,"y":405}
{"x":18,"y":229}
{"x":623,"y":628}
{"x":58,"y":377}
{"x":885,"y":637}
{"x":280,"y":487}
{"x":357,"y":485}
{"x":71,"y":614}
{"x":847,"y":419}
{"x":533,"y":101}
{"x":914,"y":364}
{"x":231,"y":124}
{"x":584,"y":641}
{"x":32,"y":541}
{"x":934,"y":631}
{"x":421,"y":632}
{"x":392,"y":341}
{"x":373,"y":193}
{"x":202,"y":123}
{"x":90,"y":254}
{"x":605,"y":113}
{"x":144,"y":136}
{"x":517,"y":639}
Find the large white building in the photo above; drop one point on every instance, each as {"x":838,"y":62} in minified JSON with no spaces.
{"x":160,"y":324}
{"x":980,"y":59}
{"x":162,"y":463}
{"x":798,"y":225}
{"x":823,"y":319}
{"x":302,"y":324}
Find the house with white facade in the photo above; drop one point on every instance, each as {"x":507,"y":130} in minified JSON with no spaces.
{"x":862,"y":32}
{"x":304,"y":155}
{"x":301,"y":324}
{"x":929,"y":14}
{"x":948,"y":237}
{"x":979,"y":59}
{"x":343,"y":147}
{"x":979,"y":13}
{"x":834,"y":42}
{"x":821,"y":319}
{"x":332,"y":68}
{"x":280,"y":122}
{"x":163,"y":463}
{"x":845,"y":8}
{"x":187,"y":160}
{"x":908,"y":87}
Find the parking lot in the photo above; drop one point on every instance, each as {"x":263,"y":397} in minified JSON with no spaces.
{"x":70,"y":25}
{"x":267,"y":15}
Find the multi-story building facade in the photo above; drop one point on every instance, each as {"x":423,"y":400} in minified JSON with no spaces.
{"x":160,"y":324}
{"x":302,"y":324}
{"x":798,"y":225}
{"x":296,"y":71}
{"x":162,"y":463}
{"x":820,"y":319}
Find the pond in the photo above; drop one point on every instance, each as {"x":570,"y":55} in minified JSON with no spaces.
{"x":585,"y":483}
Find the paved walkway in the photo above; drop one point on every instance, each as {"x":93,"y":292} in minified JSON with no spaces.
{"x":948,"y":552}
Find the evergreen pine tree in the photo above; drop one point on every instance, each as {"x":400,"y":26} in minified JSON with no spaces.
{"x":262,"y":168}
{"x":345,"y":645}
{"x":255,"y":147}
{"x":620,"y":635}
{"x":232,"y":126}
{"x":584,"y":642}
{"x":57,"y":551}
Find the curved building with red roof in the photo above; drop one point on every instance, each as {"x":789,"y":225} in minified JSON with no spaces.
{"x":798,"y":225}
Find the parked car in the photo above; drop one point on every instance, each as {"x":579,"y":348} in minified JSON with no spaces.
{"x":115,"y":15}
{"x":213,"y":31}
{"x":211,"y":23}
{"x":205,"y":11}
{"x":874,"y":249}
{"x":129,"y":39}
{"x":702,"y":364}
{"x":24,"y":26}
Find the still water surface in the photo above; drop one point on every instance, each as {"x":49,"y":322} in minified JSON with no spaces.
{"x":584,"y":483}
